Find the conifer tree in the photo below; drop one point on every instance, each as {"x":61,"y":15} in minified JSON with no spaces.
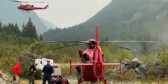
{"x":0,"y":27}
{"x":29,"y":30}
{"x":16,"y":30}
{"x":41,"y":37}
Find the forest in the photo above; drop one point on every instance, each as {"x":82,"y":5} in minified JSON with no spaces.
{"x":120,"y":20}
{"x":15,"y":42}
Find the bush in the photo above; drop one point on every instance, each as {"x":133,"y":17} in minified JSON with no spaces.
{"x":163,"y":55}
{"x":25,"y":69}
{"x":7,"y":63}
{"x":153,"y":71}
{"x":38,"y":74}
{"x":127,"y":75}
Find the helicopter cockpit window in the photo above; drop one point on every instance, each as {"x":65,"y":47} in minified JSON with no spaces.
{"x":92,"y":47}
{"x":92,"y":44}
{"x":25,"y":6}
{"x":86,"y":56}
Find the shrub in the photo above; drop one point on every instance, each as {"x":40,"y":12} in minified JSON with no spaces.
{"x":25,"y":69}
{"x":38,"y":74}
{"x":163,"y":55}
{"x":7,"y":63}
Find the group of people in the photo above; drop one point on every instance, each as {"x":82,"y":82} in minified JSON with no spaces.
{"x":47,"y":70}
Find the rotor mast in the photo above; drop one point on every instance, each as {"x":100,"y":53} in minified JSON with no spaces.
{"x":97,"y":36}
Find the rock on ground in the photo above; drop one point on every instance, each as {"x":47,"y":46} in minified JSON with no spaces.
{"x":4,"y":79}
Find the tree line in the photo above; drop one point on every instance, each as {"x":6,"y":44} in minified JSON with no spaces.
{"x":28,"y":30}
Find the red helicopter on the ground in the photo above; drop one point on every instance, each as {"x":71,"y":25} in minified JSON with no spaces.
{"x":93,"y":59}
{"x":28,"y":7}
{"x":93,"y":62}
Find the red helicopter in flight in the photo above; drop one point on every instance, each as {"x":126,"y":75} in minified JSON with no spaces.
{"x":93,"y":58}
{"x":28,"y":7}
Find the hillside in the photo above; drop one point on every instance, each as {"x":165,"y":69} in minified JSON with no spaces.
{"x":10,"y":14}
{"x":121,"y":20}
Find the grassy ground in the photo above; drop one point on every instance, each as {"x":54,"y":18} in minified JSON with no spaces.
{"x":40,"y":82}
{"x":27,"y":81}
{"x":75,"y":82}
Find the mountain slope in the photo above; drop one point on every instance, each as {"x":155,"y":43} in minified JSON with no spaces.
{"x":121,"y":20}
{"x":10,"y":14}
{"x":48,"y":24}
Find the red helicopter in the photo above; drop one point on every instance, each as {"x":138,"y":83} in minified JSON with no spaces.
{"x":93,"y":58}
{"x":28,"y":7}
{"x":93,"y":62}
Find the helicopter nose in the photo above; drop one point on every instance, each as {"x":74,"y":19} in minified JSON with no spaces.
{"x":19,"y":7}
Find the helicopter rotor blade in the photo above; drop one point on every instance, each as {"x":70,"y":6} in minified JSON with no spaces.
{"x":122,"y":47}
{"x":65,"y":42}
{"x":26,"y":1}
{"x":86,"y":42}
{"x":66,"y":46}
{"x":119,"y":46}
{"x":100,"y":42}
{"x":128,"y":41}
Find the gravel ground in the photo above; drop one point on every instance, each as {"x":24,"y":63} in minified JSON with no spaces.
{"x":40,"y":81}
{"x":75,"y":82}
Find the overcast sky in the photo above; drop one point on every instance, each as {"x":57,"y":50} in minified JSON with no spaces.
{"x":64,"y":13}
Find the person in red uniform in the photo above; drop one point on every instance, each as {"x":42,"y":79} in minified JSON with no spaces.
{"x":17,"y":71}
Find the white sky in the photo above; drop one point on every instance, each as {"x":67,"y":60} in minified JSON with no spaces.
{"x":65,"y":13}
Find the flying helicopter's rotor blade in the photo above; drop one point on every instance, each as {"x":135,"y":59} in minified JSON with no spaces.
{"x":67,"y":46}
{"x":15,"y":1}
{"x":128,"y":41}
{"x":26,"y":1}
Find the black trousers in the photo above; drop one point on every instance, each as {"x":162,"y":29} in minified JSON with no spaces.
{"x":31,"y":79}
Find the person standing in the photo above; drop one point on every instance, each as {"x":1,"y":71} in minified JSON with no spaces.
{"x":17,"y":71}
{"x":31,"y":73}
{"x":78,"y":71}
{"x":47,"y":70}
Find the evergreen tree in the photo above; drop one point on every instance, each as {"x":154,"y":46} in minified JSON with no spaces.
{"x":0,"y":27}
{"x":10,"y":29}
{"x":41,"y":37}
{"x":16,"y":30}
{"x":5,"y":29}
{"x":29,"y":30}
{"x":144,"y":48}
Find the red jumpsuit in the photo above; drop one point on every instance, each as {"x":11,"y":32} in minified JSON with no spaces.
{"x":17,"y":69}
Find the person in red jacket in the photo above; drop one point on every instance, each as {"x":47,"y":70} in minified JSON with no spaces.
{"x":17,"y":71}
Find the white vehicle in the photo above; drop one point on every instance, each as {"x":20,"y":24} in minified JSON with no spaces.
{"x":42,"y":62}
{"x":57,"y":70}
